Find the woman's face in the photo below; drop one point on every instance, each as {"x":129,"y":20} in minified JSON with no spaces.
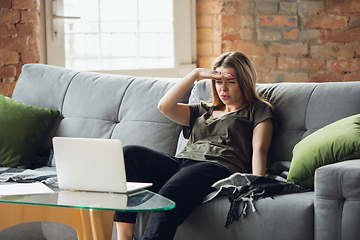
{"x":228,"y":89}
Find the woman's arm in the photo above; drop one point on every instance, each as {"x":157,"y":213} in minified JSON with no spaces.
{"x":169,"y":104}
{"x":261,"y":142}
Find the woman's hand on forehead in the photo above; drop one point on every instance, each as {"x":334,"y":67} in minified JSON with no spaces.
{"x":212,"y":74}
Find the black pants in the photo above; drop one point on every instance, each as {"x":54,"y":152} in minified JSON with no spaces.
{"x":184,"y":181}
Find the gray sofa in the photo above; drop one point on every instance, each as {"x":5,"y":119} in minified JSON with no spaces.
{"x":124,"y":107}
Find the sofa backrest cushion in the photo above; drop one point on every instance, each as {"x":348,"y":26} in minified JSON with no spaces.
{"x":300,"y":109}
{"x":303,"y":108}
{"x":96,"y":105}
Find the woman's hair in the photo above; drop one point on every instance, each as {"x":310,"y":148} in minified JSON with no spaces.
{"x":244,"y":73}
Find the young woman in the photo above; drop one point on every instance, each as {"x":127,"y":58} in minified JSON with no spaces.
{"x":232,"y":134}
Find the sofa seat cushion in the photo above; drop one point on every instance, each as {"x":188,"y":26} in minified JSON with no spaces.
{"x":335,"y":142}
{"x":22,"y":131}
{"x":289,"y":216}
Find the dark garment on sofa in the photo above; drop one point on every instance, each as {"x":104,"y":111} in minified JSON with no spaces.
{"x":246,"y":189}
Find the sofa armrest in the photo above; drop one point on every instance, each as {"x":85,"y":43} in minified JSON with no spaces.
{"x":337,"y":201}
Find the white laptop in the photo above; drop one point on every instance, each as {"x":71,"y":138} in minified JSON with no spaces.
{"x":92,"y":164}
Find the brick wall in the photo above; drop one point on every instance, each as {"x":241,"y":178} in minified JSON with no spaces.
{"x":19,"y":39}
{"x":288,"y":40}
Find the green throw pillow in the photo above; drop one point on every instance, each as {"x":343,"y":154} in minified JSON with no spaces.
{"x":22,"y":129}
{"x":333,"y":143}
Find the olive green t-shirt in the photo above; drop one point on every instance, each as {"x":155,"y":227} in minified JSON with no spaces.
{"x":226,"y":140}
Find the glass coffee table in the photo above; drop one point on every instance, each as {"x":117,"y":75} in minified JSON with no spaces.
{"x":89,"y":213}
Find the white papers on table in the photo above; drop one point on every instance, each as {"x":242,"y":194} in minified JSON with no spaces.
{"x":24,"y":188}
